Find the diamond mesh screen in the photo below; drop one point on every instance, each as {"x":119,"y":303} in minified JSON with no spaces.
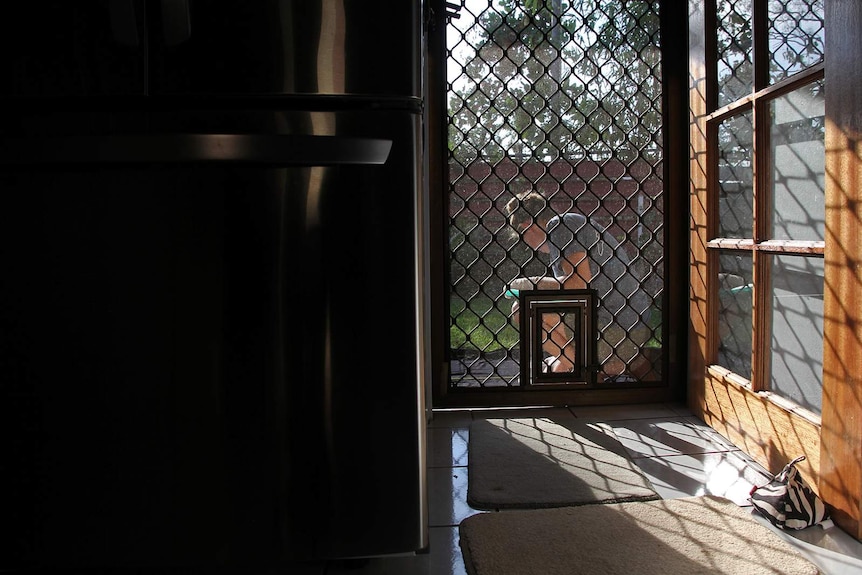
{"x":796,"y":41}
{"x":796,"y":36}
{"x":561,"y":99}
{"x":735,"y":44}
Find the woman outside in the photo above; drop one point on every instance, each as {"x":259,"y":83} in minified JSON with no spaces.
{"x":566,"y":239}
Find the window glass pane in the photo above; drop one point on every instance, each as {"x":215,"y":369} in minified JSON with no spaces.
{"x":734,"y":49}
{"x":795,"y":36}
{"x":735,"y":278}
{"x":735,"y":178}
{"x":798,"y":173}
{"x":797,"y":329}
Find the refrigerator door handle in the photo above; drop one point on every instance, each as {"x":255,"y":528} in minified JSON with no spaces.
{"x":266,"y":149}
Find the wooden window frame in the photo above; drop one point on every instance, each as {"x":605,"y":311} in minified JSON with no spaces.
{"x":762,"y":163}
{"x":770,"y":432}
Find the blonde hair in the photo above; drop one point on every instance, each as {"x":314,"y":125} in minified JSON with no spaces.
{"x":530,"y":208}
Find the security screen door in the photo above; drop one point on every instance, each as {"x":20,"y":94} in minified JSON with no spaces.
{"x":560,"y":100}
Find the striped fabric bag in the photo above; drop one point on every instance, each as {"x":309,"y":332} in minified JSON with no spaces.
{"x":788,"y":501}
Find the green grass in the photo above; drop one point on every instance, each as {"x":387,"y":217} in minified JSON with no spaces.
{"x":474,"y":327}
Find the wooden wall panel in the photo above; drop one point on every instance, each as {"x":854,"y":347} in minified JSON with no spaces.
{"x":841,"y":459}
{"x":765,"y":430}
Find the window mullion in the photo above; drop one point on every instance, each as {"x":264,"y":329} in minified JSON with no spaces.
{"x":712,"y":227}
{"x":760,"y":34}
{"x":761,"y":321}
{"x":761,"y":226}
{"x":761,"y":230}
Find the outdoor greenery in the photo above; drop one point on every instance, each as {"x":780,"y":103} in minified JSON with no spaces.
{"x":796,"y":41}
{"x":484,"y":326}
{"x":481,"y":325}
{"x":554,"y":79}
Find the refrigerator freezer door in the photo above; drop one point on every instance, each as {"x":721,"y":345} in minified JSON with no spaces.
{"x":304,"y":47}
{"x":54,"y":48}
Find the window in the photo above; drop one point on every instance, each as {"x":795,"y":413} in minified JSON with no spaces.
{"x":766,"y":196}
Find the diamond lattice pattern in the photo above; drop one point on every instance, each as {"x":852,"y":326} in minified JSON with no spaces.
{"x":563,"y":99}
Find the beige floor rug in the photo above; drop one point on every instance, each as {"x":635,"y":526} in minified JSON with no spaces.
{"x":669,"y":537}
{"x":537,"y":463}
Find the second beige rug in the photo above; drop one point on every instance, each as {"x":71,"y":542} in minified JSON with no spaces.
{"x":537,"y":463}
{"x":669,"y":537}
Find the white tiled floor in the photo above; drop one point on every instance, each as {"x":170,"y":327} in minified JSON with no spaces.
{"x":680,"y":455}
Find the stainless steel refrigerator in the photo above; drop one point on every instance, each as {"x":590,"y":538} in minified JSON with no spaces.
{"x":212,"y":313}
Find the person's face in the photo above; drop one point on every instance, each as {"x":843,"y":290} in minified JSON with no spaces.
{"x":535,"y":236}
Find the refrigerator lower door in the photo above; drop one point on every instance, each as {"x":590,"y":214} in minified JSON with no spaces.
{"x":354,"y":310}
{"x":209,"y":364}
